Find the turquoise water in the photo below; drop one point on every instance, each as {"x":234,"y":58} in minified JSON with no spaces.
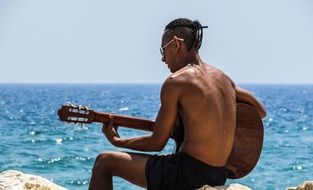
{"x":34,"y":141}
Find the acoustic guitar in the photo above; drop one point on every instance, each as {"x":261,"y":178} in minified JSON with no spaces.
{"x":245,"y":152}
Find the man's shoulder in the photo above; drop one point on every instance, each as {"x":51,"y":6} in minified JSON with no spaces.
{"x":219,"y":74}
{"x":174,"y":82}
{"x":183,"y":74}
{"x":180,"y":73}
{"x":171,"y":87}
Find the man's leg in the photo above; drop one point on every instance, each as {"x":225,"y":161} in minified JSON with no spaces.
{"x":130,"y":166}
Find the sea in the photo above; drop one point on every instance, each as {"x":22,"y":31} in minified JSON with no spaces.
{"x":34,"y":140}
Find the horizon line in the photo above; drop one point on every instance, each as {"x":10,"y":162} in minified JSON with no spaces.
{"x":126,"y":83}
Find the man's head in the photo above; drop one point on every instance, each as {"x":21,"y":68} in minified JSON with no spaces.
{"x":190,"y":31}
{"x":181,"y":37}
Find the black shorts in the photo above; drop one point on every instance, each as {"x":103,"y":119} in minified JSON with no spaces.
{"x":181,"y":171}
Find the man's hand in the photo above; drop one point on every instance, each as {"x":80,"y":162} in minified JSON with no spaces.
{"x":110,"y":131}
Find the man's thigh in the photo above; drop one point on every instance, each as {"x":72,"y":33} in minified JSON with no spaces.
{"x":130,"y":166}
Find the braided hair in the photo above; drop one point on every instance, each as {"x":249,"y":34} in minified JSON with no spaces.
{"x":190,"y":31}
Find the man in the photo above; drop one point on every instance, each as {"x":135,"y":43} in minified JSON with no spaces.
{"x":205,"y":98}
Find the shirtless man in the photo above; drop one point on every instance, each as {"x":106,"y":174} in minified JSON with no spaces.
{"x":205,"y":98}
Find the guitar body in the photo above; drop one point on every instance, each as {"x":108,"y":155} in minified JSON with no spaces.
{"x":248,"y":142}
{"x":247,"y":145}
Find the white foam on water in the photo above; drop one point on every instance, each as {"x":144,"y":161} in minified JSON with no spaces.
{"x":123,"y":109}
{"x":58,"y":141}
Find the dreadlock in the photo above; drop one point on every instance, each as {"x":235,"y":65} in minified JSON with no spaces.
{"x":190,"y":31}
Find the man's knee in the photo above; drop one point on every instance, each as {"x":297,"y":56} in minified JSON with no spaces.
{"x":105,"y":161}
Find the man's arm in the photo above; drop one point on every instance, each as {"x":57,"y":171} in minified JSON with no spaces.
{"x":243,"y":95}
{"x":163,"y":124}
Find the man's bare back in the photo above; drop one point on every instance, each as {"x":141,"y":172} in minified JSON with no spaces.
{"x":208,"y":110}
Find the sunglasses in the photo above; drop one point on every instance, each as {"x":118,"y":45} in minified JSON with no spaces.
{"x":163,"y":47}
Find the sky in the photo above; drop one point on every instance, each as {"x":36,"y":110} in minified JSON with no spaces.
{"x":101,"y":41}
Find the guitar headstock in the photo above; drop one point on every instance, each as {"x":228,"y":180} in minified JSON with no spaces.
{"x":76,"y":114}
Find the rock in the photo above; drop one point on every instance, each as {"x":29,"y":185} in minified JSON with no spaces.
{"x":306,"y":185}
{"x":234,"y":186}
{"x":15,"y":180}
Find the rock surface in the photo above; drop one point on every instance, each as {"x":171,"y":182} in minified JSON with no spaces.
{"x":306,"y":185}
{"x":15,"y":180}
{"x":234,"y":186}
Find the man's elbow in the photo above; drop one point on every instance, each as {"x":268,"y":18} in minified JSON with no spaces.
{"x":156,"y":149}
{"x":157,"y":145}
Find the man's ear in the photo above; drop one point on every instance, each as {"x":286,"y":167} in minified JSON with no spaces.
{"x":177,"y":43}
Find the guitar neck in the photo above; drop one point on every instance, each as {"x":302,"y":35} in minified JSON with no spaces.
{"x":125,"y":121}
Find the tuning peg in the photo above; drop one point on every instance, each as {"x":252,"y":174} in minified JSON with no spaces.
{"x":67,"y":104}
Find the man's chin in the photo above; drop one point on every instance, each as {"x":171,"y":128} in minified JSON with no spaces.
{"x":172,"y":70}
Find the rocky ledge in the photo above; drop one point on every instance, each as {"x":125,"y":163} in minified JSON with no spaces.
{"x":234,"y":186}
{"x":15,"y":180}
{"x":306,"y":185}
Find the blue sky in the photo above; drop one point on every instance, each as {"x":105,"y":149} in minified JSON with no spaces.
{"x":76,"y":41}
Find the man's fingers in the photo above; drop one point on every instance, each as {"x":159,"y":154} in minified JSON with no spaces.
{"x":109,"y":123}
{"x":111,"y":119}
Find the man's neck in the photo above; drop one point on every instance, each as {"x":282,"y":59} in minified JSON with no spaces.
{"x":193,"y":58}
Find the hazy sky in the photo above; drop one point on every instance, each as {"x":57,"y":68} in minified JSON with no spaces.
{"x":98,"y":41}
